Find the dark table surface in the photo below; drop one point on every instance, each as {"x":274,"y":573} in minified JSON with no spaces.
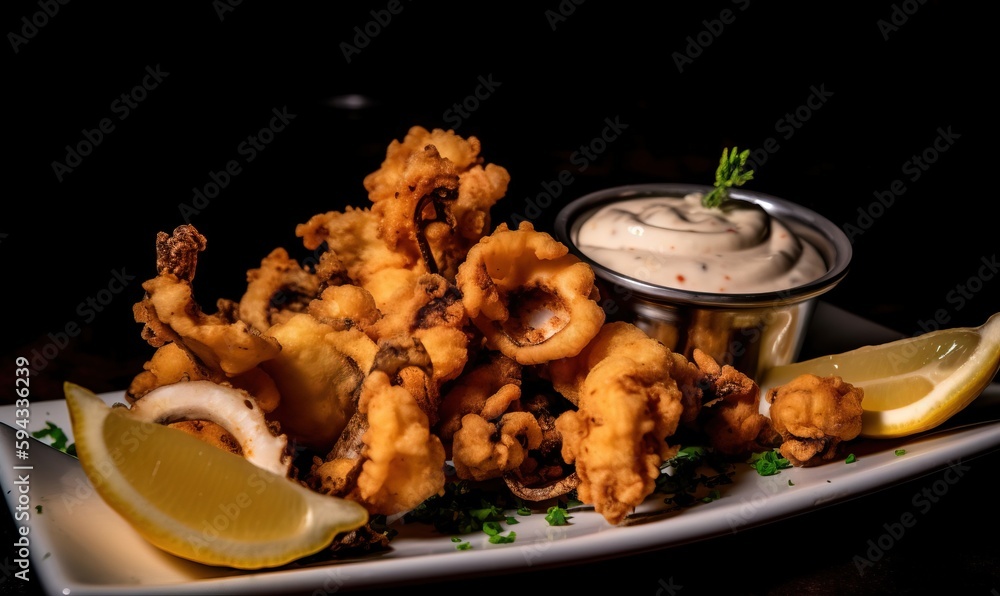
{"x":875,"y":117}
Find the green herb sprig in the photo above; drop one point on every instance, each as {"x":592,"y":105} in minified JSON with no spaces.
{"x":729,"y":174}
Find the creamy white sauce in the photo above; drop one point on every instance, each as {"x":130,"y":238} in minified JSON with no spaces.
{"x":678,"y":243}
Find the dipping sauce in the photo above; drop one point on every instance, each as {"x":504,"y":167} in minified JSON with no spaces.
{"x":677,"y":242}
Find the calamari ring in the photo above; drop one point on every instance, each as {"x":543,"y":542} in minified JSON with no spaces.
{"x":531,"y":299}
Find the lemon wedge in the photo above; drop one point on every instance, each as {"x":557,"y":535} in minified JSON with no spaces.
{"x":196,"y":501}
{"x":913,"y":384}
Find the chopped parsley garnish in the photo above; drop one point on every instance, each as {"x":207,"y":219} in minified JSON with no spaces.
{"x":850,"y":459}
{"x":790,"y":483}
{"x":464,"y":546}
{"x":729,"y":173}
{"x":899,"y":452}
{"x":682,"y":476}
{"x":712,"y":495}
{"x":557,"y":516}
{"x":768,"y":463}
{"x":58,"y":437}
{"x":492,"y":528}
{"x":463,"y":508}
{"x":500,"y":539}
{"x":524,"y":511}
{"x":512,"y":520}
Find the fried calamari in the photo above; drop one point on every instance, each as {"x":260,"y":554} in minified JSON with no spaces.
{"x":318,"y":373}
{"x":530,"y":298}
{"x":432,"y":197}
{"x":400,"y":464}
{"x":730,"y":416}
{"x":814,"y":415}
{"x":628,"y":404}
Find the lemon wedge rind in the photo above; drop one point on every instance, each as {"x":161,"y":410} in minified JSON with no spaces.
{"x":196,"y":501}
{"x":949,"y":395}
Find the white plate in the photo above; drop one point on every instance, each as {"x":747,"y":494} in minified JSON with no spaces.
{"x":79,"y":546}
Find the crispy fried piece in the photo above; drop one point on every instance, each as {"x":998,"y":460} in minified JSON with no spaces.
{"x":628,"y":405}
{"x":177,"y":253}
{"x":543,"y":474}
{"x":432,"y":195}
{"x":731,"y":415}
{"x":530,"y":298}
{"x":482,"y":450}
{"x":192,"y":345}
{"x":169,"y":313}
{"x":354,"y":248}
{"x":169,"y":364}
{"x":431,"y":310}
{"x":401,"y":462}
{"x":173,"y":364}
{"x":346,"y":307}
{"x":487,"y":390}
{"x":814,"y":415}
{"x":277,"y":290}
{"x":318,"y":373}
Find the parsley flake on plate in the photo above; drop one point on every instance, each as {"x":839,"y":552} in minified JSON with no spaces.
{"x":768,"y":463}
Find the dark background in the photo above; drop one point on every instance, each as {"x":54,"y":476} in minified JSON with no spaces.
{"x":896,"y":76}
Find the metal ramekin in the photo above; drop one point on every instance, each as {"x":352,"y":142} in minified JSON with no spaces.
{"x":752,"y":332}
